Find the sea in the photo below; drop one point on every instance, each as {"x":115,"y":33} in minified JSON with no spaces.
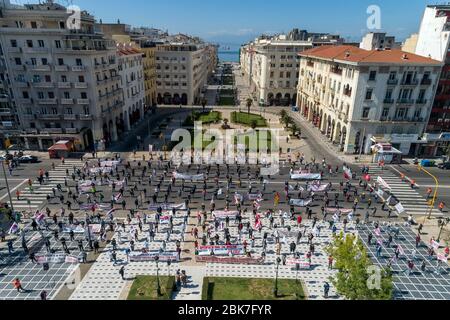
{"x":228,"y":52}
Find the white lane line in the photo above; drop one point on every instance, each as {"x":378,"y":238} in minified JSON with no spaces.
{"x":14,"y":189}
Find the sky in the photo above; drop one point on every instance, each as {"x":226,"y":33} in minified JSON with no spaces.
{"x":238,"y":21}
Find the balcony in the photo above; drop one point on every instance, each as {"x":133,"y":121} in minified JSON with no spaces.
{"x":336,"y":70}
{"x":43,"y":84}
{"x":421,"y":101}
{"x":410,"y":83}
{"x":61,"y":68}
{"x":78,"y":68}
{"x":22,"y":84}
{"x":20,"y":67}
{"x":52,"y":130}
{"x":425,"y":82}
{"x":392,"y":82}
{"x":80,"y":85}
{"x":6,"y":112}
{"x":388,"y":101}
{"x":70,"y":117}
{"x":25,"y":101}
{"x":4,"y":98}
{"x":35,"y":50}
{"x":48,"y":101}
{"x":72,"y":130}
{"x":67,"y":101}
{"x":14,"y":50}
{"x":405,"y":101}
{"x":64,"y":85}
{"x":83,"y":101}
{"x":41,"y":68}
{"x":86,"y":117}
{"x":49,"y":117}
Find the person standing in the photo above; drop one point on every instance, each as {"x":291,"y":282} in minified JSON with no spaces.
{"x":122,"y":272}
{"x":326,"y":290}
{"x":18,"y":285}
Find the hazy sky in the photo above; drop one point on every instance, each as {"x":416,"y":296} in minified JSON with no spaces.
{"x":238,"y":21}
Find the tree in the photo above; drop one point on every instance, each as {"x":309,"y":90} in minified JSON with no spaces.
{"x":283,"y":114}
{"x":294,"y":129}
{"x":249,"y":104}
{"x":287,"y":121}
{"x":354,"y":281}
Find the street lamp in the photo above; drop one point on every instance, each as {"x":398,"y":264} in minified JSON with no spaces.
{"x":275,"y":290}
{"x":89,"y":234}
{"x":7,"y":186}
{"x":442,"y":223}
{"x":168,"y":267}
{"x":158,"y":285}
{"x":433,"y":202}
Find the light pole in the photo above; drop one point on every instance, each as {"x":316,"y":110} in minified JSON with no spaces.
{"x":158,"y":285}
{"x":7,"y":186}
{"x":275,"y":290}
{"x":89,"y":233}
{"x":442,"y":224}
{"x":93,"y":138}
{"x":433,"y":202}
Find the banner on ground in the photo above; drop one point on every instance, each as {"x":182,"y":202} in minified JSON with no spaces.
{"x":95,"y":228}
{"x":306,"y":176}
{"x":288,"y":234}
{"x":75,"y":229}
{"x":436,"y":245}
{"x":441,"y":257}
{"x":337,"y":211}
{"x":100,"y":170}
{"x":399,"y":207}
{"x":109,"y":164}
{"x":299,"y":202}
{"x":297,"y":262}
{"x":318,"y":187}
{"x":167,"y":206}
{"x":254,"y":197}
{"x":223,"y":214}
{"x":229,"y":260}
{"x":57,"y":258}
{"x":150,"y":256}
{"x":383,"y":183}
{"x":187,"y":177}
{"x":221,"y":250}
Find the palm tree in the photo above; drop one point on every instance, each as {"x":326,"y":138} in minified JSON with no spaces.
{"x":249,"y":104}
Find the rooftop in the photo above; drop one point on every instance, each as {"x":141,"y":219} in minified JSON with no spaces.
{"x":353,"y":54}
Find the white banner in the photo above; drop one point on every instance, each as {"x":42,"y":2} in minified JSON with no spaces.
{"x":166,"y":206}
{"x":383,"y":183}
{"x":318,"y":188}
{"x":198,"y":177}
{"x":224,"y":214}
{"x":300,"y":202}
{"x":400,"y":209}
{"x":306,"y":176}
{"x":221,"y":250}
{"x":110,"y":164}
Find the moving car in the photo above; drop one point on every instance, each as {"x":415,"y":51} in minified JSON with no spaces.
{"x":444,"y":166}
{"x":28,"y":159}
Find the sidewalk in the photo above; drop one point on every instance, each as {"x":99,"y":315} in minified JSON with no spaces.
{"x":193,"y":290}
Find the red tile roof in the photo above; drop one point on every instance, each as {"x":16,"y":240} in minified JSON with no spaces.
{"x":355,"y":54}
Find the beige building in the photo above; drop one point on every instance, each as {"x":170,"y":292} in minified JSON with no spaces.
{"x":149,"y":51}
{"x":64,"y":80}
{"x":358,"y":98}
{"x":182,"y":71}
{"x":271,"y":65}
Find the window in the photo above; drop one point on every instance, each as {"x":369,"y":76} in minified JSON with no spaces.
{"x":51,"y":95}
{"x":13,"y":43}
{"x":66,"y":95}
{"x":369,"y":93}
{"x":18,"y":61}
{"x":83,"y":95}
{"x":366,"y":112}
{"x":25,"y":95}
{"x":48,"y":78}
{"x":372,"y":75}
{"x":389,"y":94}
{"x":63,"y":78}
{"x":80,"y":78}
{"x":393,"y":75}
{"x":69,"y":111}
{"x":79,"y":62}
{"x":33,"y":61}
{"x":62,"y":25}
{"x":385,"y":113}
{"x":40,"y":95}
{"x":44,"y":61}
{"x":33,"y":25}
{"x":30,"y":43}
{"x":60,"y":61}
{"x":41,"y":44}
{"x":58,"y":44}
{"x":421,"y":97}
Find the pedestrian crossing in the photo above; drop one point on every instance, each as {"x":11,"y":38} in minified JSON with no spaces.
{"x":32,"y":199}
{"x":413,"y":202}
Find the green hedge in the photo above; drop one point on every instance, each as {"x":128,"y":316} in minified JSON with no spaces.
{"x":246,"y":119}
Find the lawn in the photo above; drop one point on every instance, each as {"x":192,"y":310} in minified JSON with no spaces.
{"x":144,"y":288}
{"x":251,"y":289}
{"x":246,"y":119}
{"x":226,"y":101}
{"x":205,"y":118}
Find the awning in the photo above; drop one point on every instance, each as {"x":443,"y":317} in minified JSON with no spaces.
{"x":60,"y":146}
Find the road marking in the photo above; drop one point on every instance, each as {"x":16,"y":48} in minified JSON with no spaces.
{"x":399,"y":172}
{"x":14,"y":189}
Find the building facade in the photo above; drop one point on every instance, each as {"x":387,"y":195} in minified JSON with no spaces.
{"x":182,"y":71}
{"x":131,"y":71}
{"x":378,"y":41}
{"x":63,"y":78}
{"x":358,"y":98}
{"x":271,"y":65}
{"x":434,"y":41}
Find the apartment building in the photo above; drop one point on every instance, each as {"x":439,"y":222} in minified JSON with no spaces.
{"x":358,"y":98}
{"x":63,"y":78}
{"x":131,"y":71}
{"x":182,"y":70}
{"x":271,"y":65}
{"x":378,"y":41}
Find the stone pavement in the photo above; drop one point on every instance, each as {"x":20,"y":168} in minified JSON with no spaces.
{"x":193,"y":290}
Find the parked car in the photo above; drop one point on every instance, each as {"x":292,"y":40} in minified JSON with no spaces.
{"x":28,"y":159}
{"x":444,"y":166}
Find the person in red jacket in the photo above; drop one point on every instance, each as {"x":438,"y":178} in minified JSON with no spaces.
{"x":18,"y":286}
{"x":299,"y":220}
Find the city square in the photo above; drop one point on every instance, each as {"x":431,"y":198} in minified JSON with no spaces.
{"x":233,"y":181}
